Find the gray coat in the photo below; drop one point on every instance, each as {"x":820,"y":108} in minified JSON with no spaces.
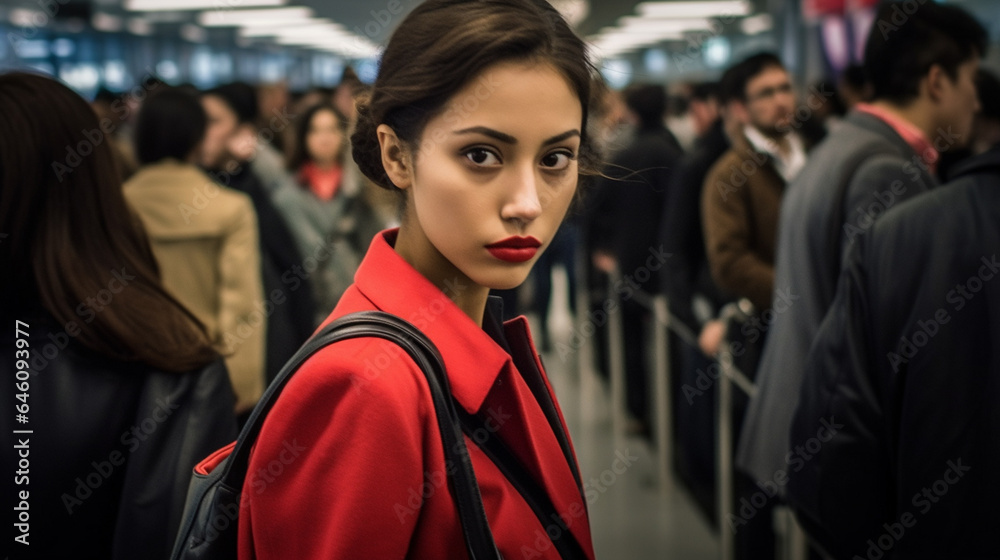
{"x":861,"y":170}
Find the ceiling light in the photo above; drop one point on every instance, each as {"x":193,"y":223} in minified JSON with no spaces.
{"x":139,"y":26}
{"x":665,"y":26}
{"x":756,"y":24}
{"x":708,"y":8}
{"x":176,"y":5}
{"x":234,"y":18}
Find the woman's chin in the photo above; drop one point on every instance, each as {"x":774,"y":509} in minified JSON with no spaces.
{"x":508,"y":280}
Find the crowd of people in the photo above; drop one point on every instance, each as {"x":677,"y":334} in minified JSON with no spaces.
{"x":171,"y":265}
{"x":852,"y":227}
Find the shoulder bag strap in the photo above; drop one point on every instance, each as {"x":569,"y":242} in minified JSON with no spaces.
{"x":520,"y":478}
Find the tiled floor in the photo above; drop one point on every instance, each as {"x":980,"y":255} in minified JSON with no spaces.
{"x":630,"y":517}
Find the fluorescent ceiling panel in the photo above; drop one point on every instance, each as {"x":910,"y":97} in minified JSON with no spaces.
{"x":234,"y":18}
{"x":175,"y":5}
{"x":708,"y":8}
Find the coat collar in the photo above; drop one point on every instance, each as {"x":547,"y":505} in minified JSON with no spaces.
{"x":472,"y":358}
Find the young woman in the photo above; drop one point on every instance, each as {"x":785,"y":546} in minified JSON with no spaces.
{"x":121,"y":391}
{"x":477,"y":119}
{"x":333,"y":209}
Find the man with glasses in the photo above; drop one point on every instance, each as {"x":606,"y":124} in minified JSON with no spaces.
{"x":742,"y":193}
{"x":741,"y":198}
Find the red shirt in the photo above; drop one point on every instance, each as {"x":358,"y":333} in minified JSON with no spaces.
{"x":910,"y":134}
{"x":350,"y":464}
{"x":323,"y":183}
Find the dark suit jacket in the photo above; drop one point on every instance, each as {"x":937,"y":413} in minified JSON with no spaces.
{"x":687,"y":272}
{"x":906,"y":369}
{"x":864,"y":165}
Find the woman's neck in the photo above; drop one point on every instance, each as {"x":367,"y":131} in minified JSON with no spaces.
{"x":325,"y":165}
{"x":414,"y":247}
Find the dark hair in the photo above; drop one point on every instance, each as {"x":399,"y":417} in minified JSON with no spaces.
{"x":704,"y":91}
{"x":854,"y":76}
{"x":300,"y":152}
{"x":72,"y":232}
{"x":240,"y":97}
{"x":902,"y":46}
{"x":733,"y":84}
{"x":648,"y":101}
{"x":170,"y":124}
{"x":988,"y":90}
{"x":441,"y":45}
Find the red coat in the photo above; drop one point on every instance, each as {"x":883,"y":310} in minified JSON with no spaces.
{"x":350,"y":464}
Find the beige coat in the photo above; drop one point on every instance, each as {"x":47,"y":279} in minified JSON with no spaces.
{"x":205,"y":239}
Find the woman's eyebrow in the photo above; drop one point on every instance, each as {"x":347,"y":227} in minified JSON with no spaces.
{"x":508,"y":139}
{"x":485,"y":131}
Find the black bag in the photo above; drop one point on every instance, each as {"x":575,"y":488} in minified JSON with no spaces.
{"x":208,"y":529}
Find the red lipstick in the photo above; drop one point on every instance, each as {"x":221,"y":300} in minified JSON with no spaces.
{"x":515,"y":249}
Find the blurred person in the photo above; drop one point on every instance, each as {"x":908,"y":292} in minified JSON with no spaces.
{"x":628,"y":204}
{"x":688,"y":275}
{"x":345,"y":93}
{"x":272,"y":101}
{"x":480,"y":206}
{"x":333,"y":207}
{"x":111,"y":110}
{"x":882,"y":154}
{"x":901,"y":382}
{"x":692,"y":296}
{"x":123,"y":392}
{"x":985,"y":126}
{"x":826,"y":111}
{"x":678,"y":118}
{"x":231,"y":142}
{"x":740,"y":202}
{"x":204,"y":236}
{"x":854,"y":87}
{"x":610,"y":133}
{"x":742,"y":193}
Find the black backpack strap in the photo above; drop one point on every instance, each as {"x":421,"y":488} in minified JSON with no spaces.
{"x":520,"y":478}
{"x":478,"y":537}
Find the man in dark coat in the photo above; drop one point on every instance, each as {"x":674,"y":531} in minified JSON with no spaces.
{"x":692,"y":296}
{"x":628,"y":208}
{"x":922,"y":74}
{"x":688,"y":275}
{"x":896,"y":435}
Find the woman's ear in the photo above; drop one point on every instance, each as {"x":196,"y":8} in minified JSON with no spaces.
{"x":395,"y":157}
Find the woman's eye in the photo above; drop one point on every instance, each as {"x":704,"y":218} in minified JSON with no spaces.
{"x":482,"y":156}
{"x":557,"y":160}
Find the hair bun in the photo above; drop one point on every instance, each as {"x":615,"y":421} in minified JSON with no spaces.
{"x":365,"y":149}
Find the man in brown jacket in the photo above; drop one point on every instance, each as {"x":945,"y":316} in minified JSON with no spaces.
{"x":741,"y":200}
{"x":742,"y":194}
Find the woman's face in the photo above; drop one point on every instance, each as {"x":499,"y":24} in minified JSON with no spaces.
{"x":324,"y":138}
{"x":494,"y":174}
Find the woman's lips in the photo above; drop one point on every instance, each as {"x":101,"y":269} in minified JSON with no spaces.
{"x":515,"y":249}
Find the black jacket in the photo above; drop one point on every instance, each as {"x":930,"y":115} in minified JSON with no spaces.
{"x":112,"y":445}
{"x":687,"y":272}
{"x":284,"y":275}
{"x":628,"y":205}
{"x":896,"y":439}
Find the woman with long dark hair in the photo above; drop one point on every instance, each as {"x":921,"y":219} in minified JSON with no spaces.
{"x":478,"y":121}
{"x":118,"y":388}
